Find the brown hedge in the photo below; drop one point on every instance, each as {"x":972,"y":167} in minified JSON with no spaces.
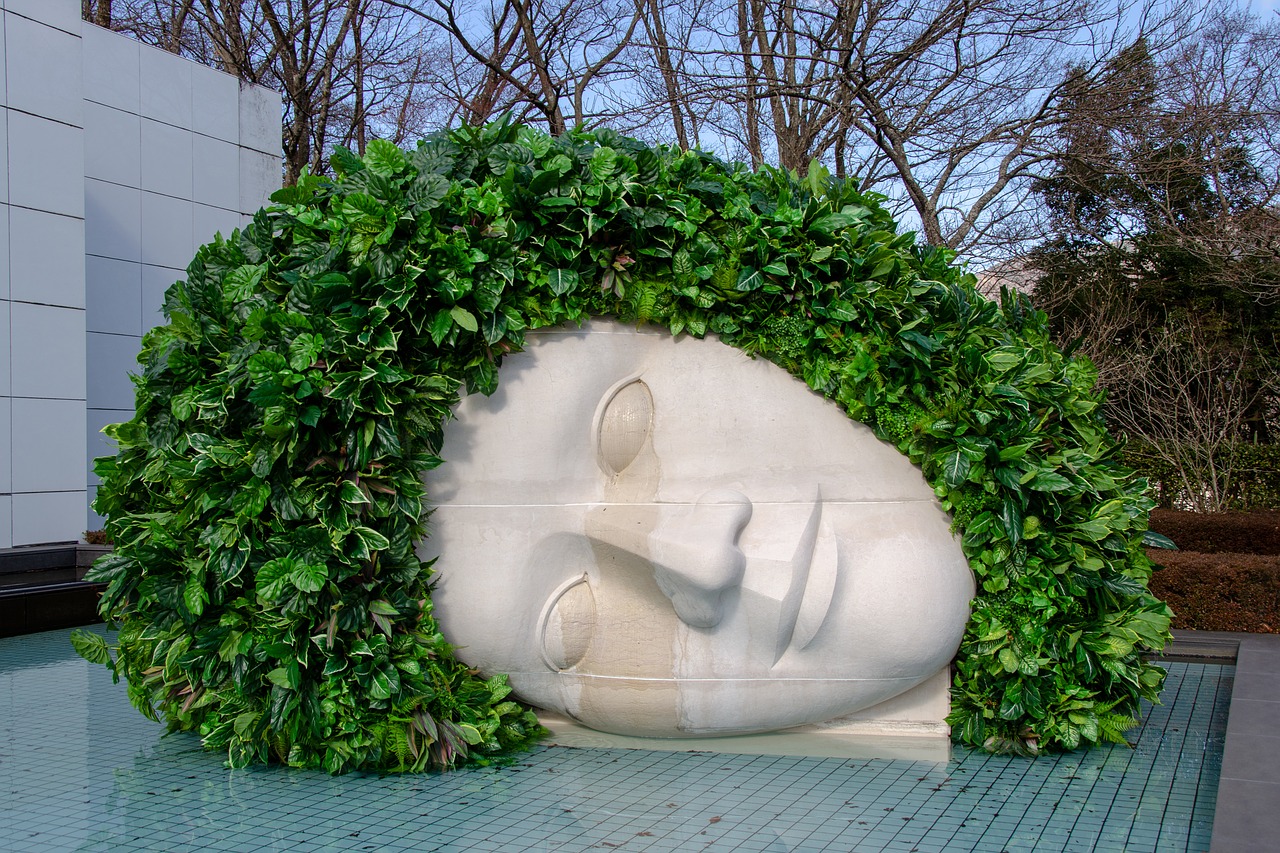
{"x":1255,"y":532}
{"x":1220,"y":592}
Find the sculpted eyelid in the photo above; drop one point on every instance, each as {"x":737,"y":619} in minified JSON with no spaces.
{"x":567,"y":622}
{"x":623,"y":424}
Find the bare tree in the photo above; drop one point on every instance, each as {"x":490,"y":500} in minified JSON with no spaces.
{"x":949,"y":107}
{"x":97,"y":11}
{"x":1188,"y":400}
{"x":552,"y":61}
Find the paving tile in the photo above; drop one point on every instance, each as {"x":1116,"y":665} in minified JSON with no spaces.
{"x":1254,"y":758}
{"x":1254,"y":717}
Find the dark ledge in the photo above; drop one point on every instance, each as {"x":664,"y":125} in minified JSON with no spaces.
{"x":42,"y":587}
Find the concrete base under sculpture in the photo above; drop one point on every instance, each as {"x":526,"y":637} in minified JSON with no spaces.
{"x":663,"y":537}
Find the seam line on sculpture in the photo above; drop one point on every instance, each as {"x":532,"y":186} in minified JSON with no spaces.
{"x":783,"y":679}
{"x":826,"y":501}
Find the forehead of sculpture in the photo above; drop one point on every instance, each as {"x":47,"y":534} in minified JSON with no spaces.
{"x":610,"y":412}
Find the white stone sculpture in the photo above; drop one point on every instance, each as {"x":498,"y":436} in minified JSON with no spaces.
{"x":662,"y":536}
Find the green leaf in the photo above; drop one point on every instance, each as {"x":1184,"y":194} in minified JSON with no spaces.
{"x":1151,"y":539}
{"x":464,"y":318}
{"x":368,"y":541}
{"x":349,"y":492}
{"x":749,"y":279}
{"x":280,"y":678}
{"x":427,"y":191}
{"x":1047,"y":481}
{"x":251,"y":499}
{"x":309,"y":578}
{"x":344,"y":162}
{"x":242,"y":282}
{"x":834,"y":222}
{"x":955,"y":468}
{"x":562,"y":281}
{"x":1002,"y":361}
{"x":380,"y":685}
{"x":272,"y":578}
{"x":194,"y":595}
{"x":603,"y":162}
{"x":90,"y":646}
{"x":306,"y":375}
{"x":384,"y":158}
{"x":304,"y":350}
{"x":1011,"y":520}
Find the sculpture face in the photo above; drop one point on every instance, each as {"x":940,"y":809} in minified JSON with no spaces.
{"x":664,"y":537}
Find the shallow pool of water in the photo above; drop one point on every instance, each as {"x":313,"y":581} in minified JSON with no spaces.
{"x":80,"y":769}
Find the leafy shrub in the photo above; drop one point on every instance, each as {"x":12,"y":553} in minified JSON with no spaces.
{"x":1250,"y":471}
{"x":266,"y":498}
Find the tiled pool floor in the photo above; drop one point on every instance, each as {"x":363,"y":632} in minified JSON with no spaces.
{"x":81,"y":770}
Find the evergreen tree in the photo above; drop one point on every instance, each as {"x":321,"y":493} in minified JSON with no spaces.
{"x":1164,"y":259}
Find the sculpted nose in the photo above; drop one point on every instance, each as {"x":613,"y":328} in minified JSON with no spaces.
{"x":696,"y":558}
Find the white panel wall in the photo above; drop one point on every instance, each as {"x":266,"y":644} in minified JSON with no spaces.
{"x":42,"y":300}
{"x":122,"y":159}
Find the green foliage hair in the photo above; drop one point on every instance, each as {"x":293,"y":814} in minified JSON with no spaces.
{"x":267,"y":496}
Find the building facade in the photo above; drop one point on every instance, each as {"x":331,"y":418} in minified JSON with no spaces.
{"x":120,"y":160}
